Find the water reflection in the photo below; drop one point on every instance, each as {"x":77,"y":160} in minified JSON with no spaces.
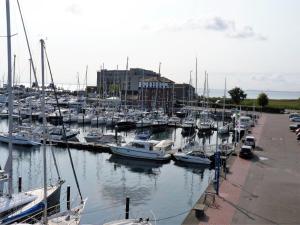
{"x":137,"y":166}
{"x":106,"y":180}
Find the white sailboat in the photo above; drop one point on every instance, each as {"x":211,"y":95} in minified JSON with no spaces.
{"x":17,"y":206}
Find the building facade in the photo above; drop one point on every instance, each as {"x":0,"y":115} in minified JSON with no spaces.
{"x":184,"y":92}
{"x":156,"y":93}
{"x":113,"y":82}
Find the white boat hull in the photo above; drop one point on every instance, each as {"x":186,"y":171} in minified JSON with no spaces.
{"x":19,"y":140}
{"x":191,"y":159}
{"x":140,"y":154}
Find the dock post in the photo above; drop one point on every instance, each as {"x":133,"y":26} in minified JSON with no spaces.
{"x":20,"y":184}
{"x":68,"y":197}
{"x":127,"y":208}
{"x":116,"y":133}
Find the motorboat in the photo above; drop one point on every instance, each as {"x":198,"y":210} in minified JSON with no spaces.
{"x":20,"y":138}
{"x":143,"y":135}
{"x":126,"y":123}
{"x":194,"y":156}
{"x":144,"y":122}
{"x":56,"y":133}
{"x":93,"y":136}
{"x":189,"y":124}
{"x":98,"y":120}
{"x":205,"y":126}
{"x":144,"y":149}
{"x":174,"y":121}
{"x":224,"y":129}
{"x":82,"y":118}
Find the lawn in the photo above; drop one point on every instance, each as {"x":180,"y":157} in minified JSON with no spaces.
{"x":276,"y":103}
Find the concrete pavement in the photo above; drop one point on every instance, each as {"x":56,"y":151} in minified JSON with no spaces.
{"x":265,"y":190}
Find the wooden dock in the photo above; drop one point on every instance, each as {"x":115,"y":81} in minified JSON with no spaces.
{"x":94,"y":147}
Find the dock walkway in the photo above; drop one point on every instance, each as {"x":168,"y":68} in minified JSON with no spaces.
{"x":265,"y":190}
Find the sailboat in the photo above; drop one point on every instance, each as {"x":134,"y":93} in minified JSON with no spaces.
{"x":17,"y":206}
{"x":71,"y":215}
{"x":224,"y":129}
{"x":205,"y":124}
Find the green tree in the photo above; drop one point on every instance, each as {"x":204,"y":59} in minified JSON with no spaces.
{"x":237,"y":95}
{"x":114,"y":88}
{"x":263,"y":99}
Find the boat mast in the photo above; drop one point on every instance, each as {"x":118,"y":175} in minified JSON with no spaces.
{"x":143,"y":79}
{"x":86,"y":72}
{"x":196,"y":85}
{"x":190,"y":84}
{"x":224,"y":99}
{"x":28,"y":46}
{"x":156,"y":85}
{"x":44,"y":132}
{"x":126,"y":83}
{"x":204,"y":91}
{"x":10,"y":100}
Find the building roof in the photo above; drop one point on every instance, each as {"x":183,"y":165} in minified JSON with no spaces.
{"x":158,"y":79}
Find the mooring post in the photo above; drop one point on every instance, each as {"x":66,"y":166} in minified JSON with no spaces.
{"x":68,"y":197}
{"x":127,"y":208}
{"x":20,"y":184}
{"x":116,"y":133}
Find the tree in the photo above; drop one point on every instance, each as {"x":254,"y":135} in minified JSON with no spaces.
{"x":237,"y":95}
{"x":263,"y":99}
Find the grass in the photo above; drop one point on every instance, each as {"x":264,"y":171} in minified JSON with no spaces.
{"x":276,"y":103}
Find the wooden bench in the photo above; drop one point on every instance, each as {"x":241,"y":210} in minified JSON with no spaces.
{"x":199,"y":209}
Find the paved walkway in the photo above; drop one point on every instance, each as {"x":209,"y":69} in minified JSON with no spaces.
{"x":265,"y":190}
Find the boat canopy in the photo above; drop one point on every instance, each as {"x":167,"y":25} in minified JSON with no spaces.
{"x":163,"y":145}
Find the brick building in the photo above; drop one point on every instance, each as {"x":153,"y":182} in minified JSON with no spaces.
{"x":157,"y":92}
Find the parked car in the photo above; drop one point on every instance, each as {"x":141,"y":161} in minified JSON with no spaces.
{"x":294,"y":127}
{"x":246,"y":152}
{"x":292,"y":115}
{"x":295,"y":119}
{"x":250,"y":141}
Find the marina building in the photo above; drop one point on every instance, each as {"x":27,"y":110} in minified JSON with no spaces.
{"x":156,"y":92}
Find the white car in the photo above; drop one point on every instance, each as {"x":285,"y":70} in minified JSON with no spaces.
{"x":295,"y":119}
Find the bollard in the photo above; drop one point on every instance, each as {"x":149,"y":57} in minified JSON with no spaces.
{"x":20,"y":184}
{"x":68,"y":197}
{"x":116,"y":133}
{"x":127,"y":208}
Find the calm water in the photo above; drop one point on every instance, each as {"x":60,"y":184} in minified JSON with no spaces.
{"x":155,"y":190}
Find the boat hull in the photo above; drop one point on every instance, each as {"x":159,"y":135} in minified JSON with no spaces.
{"x":139,"y":154}
{"x":18,"y":141}
{"x":30,"y":214}
{"x":189,"y":159}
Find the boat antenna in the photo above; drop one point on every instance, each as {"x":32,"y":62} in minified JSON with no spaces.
{"x":28,"y":46}
{"x":63,"y":127}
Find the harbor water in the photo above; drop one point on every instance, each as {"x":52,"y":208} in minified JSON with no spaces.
{"x":162,"y":192}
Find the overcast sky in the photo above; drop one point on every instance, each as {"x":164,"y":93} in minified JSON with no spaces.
{"x":254,"y":43}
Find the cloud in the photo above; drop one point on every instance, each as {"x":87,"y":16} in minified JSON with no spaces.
{"x":74,"y":9}
{"x":228,"y":27}
{"x":218,"y":24}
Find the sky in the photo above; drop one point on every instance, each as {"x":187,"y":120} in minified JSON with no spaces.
{"x":253,"y":43}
